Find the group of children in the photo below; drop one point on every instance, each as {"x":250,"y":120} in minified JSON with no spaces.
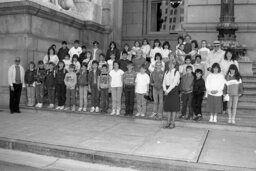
{"x":140,"y":75}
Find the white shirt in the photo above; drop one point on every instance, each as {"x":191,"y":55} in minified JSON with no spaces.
{"x":77,"y":65}
{"x":110,"y":64}
{"x":53,"y":58}
{"x":204,"y":52}
{"x":67,"y":63}
{"x":142,"y":83}
{"x":225,"y":64}
{"x":74,"y":51}
{"x":116,"y":78}
{"x":154,"y":51}
{"x":215,"y":57}
{"x":171,"y":79}
{"x":134,"y":50}
{"x":166,"y":53}
{"x":146,"y":50}
{"x":12,"y":75}
{"x":215,"y":82}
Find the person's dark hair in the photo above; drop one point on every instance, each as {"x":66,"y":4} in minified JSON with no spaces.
{"x":195,"y":42}
{"x":145,"y":40}
{"x":95,"y":62}
{"x":158,"y":55}
{"x":199,"y":71}
{"x":166,"y":43}
{"x":124,"y":52}
{"x":95,"y":42}
{"x":114,"y":43}
{"x":51,"y":63}
{"x":180,"y":38}
{"x":40,"y":62}
{"x":83,"y":47}
{"x":189,"y":67}
{"x":112,"y":53}
{"x":143,"y":66}
{"x":188,"y":57}
{"x":130,"y":63}
{"x":84,"y":64}
{"x":105,"y":66}
{"x":229,"y":51}
{"x":53,"y":45}
{"x":48,"y":52}
{"x":126,"y":44}
{"x":72,"y":66}
{"x":62,"y":63}
{"x":237,"y":73}
{"x":32,"y":63}
{"x":156,"y":41}
{"x":89,"y":53}
{"x":136,"y":41}
{"x":76,"y":41}
{"x":74,"y":56}
{"x":216,"y":65}
{"x":64,"y":43}
{"x":102,"y":54}
{"x":198,"y":56}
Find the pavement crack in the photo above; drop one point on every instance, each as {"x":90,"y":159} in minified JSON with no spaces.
{"x":202,"y":148}
{"x":51,"y":164}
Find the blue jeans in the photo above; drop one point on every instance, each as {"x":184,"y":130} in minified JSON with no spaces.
{"x":116,"y":97}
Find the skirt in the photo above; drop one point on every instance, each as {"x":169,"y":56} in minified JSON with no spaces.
{"x":214,"y":104}
{"x":172,"y":100}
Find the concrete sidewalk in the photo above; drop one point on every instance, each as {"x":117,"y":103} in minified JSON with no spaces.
{"x":125,"y":136}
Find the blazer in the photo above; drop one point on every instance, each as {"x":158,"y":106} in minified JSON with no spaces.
{"x":12,"y":75}
{"x":97,"y":54}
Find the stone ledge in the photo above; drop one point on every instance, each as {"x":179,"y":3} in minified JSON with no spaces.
{"x":32,"y":8}
{"x":117,"y":159}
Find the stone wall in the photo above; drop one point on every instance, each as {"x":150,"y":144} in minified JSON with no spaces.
{"x":27,"y":30}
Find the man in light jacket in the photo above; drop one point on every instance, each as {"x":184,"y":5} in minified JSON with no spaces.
{"x":16,"y":82}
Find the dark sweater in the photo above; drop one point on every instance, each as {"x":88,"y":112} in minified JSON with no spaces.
{"x":82,"y":57}
{"x":40,"y":75}
{"x":115,"y":51}
{"x":92,"y":77}
{"x":60,"y":76}
{"x":156,"y":79}
{"x":50,"y":79}
{"x":123,"y":64}
{"x":186,"y":85}
{"x":83,"y":78}
{"x":138,"y":62}
{"x":199,"y":87}
{"x":187,"y":48}
{"x":62,"y":53}
{"x":30,"y":77}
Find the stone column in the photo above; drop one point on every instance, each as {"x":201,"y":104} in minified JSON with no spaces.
{"x":117,"y":15}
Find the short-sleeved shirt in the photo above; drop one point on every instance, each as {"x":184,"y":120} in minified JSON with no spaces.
{"x":129,"y":78}
{"x":116,"y":78}
{"x":142,"y":82}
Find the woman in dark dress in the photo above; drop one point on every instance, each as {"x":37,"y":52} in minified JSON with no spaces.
{"x":113,"y":49}
{"x":171,"y":93}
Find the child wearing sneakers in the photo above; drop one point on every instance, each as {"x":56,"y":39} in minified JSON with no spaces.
{"x":198,"y":94}
{"x":83,"y":87}
{"x":156,"y":80}
{"x":103,"y":83}
{"x":60,"y":85}
{"x":141,"y":89}
{"x":234,"y":91}
{"x":116,"y":83}
{"x":129,"y":89}
{"x":93,"y":86}
{"x":30,"y":76}
{"x":50,"y":83}
{"x":40,"y":81}
{"x":186,"y":86}
{"x":70,"y":82}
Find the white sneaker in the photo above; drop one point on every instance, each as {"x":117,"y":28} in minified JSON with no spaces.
{"x":92,"y":109}
{"x":229,"y":120}
{"x":40,"y":105}
{"x":61,"y":107}
{"x":57,"y":108}
{"x":74,"y":108}
{"x":84,"y":109}
{"x":214,"y":119}
{"x":67,"y":108}
{"x":142,"y":115}
{"x":117,"y":112}
{"x":97,"y":109}
{"x":51,"y":106}
{"x":80,"y":109}
{"x":138,"y":114}
{"x":37,"y":105}
{"x":211,"y":119}
{"x":113,"y":112}
{"x":233,"y":121}
{"x":153,"y":115}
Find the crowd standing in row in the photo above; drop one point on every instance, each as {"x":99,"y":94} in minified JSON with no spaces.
{"x":188,"y":73}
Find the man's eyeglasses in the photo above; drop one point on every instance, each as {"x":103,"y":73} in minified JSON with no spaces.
{"x":17,"y":60}
{"x":217,"y":46}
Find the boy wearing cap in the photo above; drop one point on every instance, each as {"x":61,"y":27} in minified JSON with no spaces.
{"x":156,"y":80}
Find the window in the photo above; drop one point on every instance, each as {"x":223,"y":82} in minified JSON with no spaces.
{"x":163,"y":18}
